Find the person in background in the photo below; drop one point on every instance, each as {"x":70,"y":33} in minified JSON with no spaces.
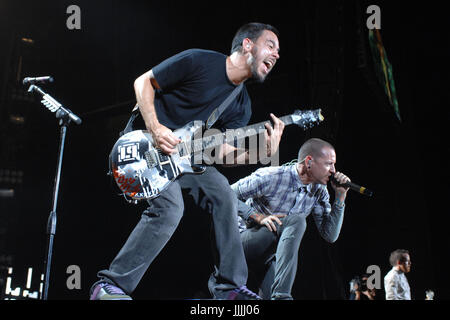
{"x":396,"y":284}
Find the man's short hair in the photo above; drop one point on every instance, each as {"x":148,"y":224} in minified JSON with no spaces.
{"x":397,"y":255}
{"x":253,"y":31}
{"x":313,"y":147}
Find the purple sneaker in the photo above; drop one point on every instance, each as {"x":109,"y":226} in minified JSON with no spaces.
{"x":106,"y":291}
{"x":242,"y":293}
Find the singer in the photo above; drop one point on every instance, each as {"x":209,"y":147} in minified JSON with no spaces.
{"x":273,"y":218}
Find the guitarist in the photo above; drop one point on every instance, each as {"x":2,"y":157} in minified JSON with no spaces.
{"x":183,"y":88}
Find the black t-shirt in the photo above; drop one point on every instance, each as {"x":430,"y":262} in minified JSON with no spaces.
{"x":193,"y":84}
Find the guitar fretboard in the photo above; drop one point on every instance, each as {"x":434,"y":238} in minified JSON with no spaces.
{"x":230,"y":136}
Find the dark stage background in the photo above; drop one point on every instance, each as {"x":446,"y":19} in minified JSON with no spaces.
{"x":404,"y":163}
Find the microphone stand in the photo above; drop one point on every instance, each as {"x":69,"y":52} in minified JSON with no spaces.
{"x":65,"y":116}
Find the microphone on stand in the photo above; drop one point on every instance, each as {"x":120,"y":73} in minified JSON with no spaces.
{"x":30,"y":80}
{"x":353,"y":186}
{"x":49,"y":102}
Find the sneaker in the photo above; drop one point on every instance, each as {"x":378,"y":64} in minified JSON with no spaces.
{"x":242,"y":293}
{"x":106,"y":291}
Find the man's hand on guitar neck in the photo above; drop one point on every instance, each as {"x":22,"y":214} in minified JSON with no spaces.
{"x":273,"y":135}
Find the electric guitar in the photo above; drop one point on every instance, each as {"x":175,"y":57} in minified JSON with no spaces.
{"x":142,"y":171}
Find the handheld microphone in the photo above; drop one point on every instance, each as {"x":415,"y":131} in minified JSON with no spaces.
{"x":354,"y":187}
{"x":45,"y":79}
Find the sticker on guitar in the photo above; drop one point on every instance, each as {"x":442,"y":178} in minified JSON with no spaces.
{"x":130,"y":185}
{"x":128,"y":152}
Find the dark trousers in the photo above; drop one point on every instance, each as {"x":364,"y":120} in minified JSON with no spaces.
{"x":272,"y":257}
{"x":211,"y":191}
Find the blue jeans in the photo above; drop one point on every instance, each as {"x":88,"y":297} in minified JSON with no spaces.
{"x":211,"y":191}
{"x":273,"y":256}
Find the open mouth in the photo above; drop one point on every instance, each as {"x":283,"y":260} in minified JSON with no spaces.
{"x":268,"y":65}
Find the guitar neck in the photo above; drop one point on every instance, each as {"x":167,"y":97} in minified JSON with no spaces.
{"x":216,"y":140}
{"x":287,"y":120}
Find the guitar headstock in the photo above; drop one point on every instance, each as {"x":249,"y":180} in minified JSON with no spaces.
{"x":306,"y":119}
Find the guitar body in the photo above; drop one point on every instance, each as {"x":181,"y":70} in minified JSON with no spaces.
{"x":142,"y":171}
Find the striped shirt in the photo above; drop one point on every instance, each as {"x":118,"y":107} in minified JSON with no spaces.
{"x":279,"y":190}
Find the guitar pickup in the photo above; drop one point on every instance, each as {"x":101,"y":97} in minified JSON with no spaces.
{"x":182,"y":149}
{"x":151,"y":157}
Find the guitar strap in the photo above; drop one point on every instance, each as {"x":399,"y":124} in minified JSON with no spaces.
{"x":220,"y":109}
{"x":211,"y":120}
{"x":129,"y":126}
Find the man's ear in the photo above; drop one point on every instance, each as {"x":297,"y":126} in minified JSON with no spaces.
{"x":247,"y":45}
{"x":308,"y":161}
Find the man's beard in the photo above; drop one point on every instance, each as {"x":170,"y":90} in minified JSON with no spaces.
{"x":254,"y":68}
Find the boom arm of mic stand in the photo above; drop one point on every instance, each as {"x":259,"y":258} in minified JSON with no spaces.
{"x":50,"y":103}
